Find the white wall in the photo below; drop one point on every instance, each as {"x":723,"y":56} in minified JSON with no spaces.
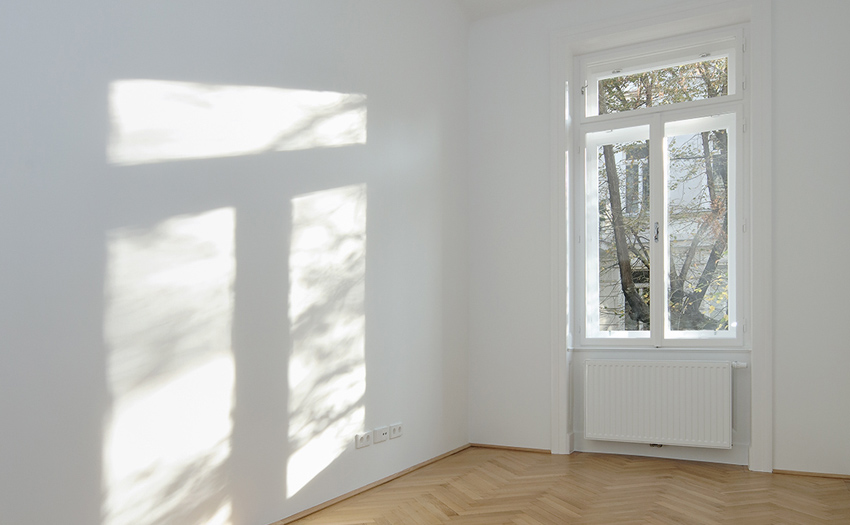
{"x":65,"y":210}
{"x":812,"y":393}
{"x":510,"y":253}
{"x":508,"y":231}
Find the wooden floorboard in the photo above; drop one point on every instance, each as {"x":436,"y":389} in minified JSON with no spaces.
{"x":492,"y":487}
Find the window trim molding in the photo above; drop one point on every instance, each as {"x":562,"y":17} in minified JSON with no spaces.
{"x":569,"y":42}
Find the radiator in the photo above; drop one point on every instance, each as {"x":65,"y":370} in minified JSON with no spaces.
{"x":687,"y":403}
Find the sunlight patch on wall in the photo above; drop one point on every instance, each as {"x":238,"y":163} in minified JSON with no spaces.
{"x":327,"y":369}
{"x":167,"y":326}
{"x":157,"y":120}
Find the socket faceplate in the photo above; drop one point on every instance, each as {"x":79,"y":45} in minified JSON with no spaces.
{"x":396,"y":430}
{"x":380,"y":434}
{"x":363,"y":440}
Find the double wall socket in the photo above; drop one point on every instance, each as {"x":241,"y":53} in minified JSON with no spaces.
{"x":362,"y":440}
{"x":396,"y":431}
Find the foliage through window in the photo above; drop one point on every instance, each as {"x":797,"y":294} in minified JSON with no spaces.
{"x":669,"y":85}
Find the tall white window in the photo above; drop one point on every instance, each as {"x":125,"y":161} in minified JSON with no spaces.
{"x":662,"y":220}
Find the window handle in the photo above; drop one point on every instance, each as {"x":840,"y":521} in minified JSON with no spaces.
{"x":657,"y":232}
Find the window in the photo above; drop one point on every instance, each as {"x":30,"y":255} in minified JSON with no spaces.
{"x":662,"y":216}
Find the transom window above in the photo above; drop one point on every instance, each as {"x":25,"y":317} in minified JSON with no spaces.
{"x":640,"y":78}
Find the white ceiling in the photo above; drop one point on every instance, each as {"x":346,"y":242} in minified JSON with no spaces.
{"x":478,"y":9}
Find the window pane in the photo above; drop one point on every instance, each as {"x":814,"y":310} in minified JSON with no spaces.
{"x":698,"y":185}
{"x":622,"y":180}
{"x":663,"y":86}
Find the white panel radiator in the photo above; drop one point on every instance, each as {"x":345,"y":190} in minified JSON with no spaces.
{"x":686,"y":403}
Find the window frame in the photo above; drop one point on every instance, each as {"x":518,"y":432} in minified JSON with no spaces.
{"x":655,"y":54}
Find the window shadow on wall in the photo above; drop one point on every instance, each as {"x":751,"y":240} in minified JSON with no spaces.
{"x":235,"y":360}
{"x":327,"y":368}
{"x":157,"y":121}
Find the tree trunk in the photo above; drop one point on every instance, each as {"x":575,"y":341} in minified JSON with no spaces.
{"x":637,"y":308}
{"x":719,"y":219}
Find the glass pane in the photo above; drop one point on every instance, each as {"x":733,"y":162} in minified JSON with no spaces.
{"x":668,"y":85}
{"x":698,"y":231}
{"x":623,"y":233}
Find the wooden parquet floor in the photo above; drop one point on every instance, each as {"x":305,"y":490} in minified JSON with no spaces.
{"x":493,"y":487}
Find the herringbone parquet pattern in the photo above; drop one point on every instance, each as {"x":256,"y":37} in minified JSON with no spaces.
{"x":492,"y":487}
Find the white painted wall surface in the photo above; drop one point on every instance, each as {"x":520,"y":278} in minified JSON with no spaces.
{"x":508,"y":223}
{"x":812,"y":391}
{"x":86,"y":239}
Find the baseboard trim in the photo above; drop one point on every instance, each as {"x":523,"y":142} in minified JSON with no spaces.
{"x":811,"y":474}
{"x":515,"y":449}
{"x":321,"y":506}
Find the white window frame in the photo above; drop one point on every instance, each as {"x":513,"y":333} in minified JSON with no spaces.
{"x":589,"y":68}
{"x":657,"y":54}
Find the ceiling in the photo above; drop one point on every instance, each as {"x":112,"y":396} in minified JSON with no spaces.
{"x":478,"y":9}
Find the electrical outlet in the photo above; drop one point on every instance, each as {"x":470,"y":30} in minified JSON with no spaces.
{"x":396,"y":430}
{"x":363,"y":440}
{"x":380,"y":434}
